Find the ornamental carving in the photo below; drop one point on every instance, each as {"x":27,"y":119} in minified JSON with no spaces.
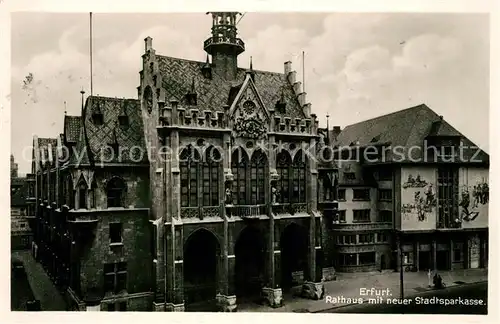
{"x":250,"y":127}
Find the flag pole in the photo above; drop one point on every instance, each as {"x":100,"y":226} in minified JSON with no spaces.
{"x":91,"y":70}
{"x":303,"y":72}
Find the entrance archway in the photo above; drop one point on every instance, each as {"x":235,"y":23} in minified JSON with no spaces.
{"x":201,"y":255}
{"x":294,"y":246}
{"x":249,"y":264}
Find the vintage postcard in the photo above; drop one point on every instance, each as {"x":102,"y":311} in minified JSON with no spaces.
{"x":249,"y":161}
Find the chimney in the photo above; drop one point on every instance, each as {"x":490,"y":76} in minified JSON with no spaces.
{"x":301,"y":97}
{"x":148,"y":42}
{"x":297,"y":88}
{"x":335,"y":132}
{"x":288,"y":67}
{"x":291,"y":76}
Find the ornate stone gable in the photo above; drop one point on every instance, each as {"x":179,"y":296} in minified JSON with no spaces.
{"x":250,"y":117}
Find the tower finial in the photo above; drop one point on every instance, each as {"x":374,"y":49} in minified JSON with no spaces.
{"x":82,"y":92}
{"x":251,"y":65}
{"x":328,"y":127}
{"x":65,"y":108}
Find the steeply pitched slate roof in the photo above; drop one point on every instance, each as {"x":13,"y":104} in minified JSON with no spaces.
{"x":19,"y":195}
{"x":405,"y":128}
{"x":72,"y":128}
{"x":213,"y":94}
{"x":99,"y":137}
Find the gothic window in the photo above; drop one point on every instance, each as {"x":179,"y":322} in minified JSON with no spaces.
{"x":211,"y":172}
{"x":148,"y":99}
{"x":82,"y":195}
{"x":257,"y":176}
{"x":189,"y":162}
{"x":299,"y":178}
{"x":239,"y":163}
{"x":283,"y":165}
{"x":92,"y":195}
{"x":69,"y":193}
{"x":116,"y":191}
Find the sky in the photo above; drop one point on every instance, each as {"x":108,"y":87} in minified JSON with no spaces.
{"x":357,"y":65}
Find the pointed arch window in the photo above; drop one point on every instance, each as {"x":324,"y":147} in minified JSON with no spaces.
{"x":69,"y":193}
{"x":92,"y":194}
{"x":189,"y":164}
{"x":116,"y":192}
{"x":299,"y":178}
{"x":283,"y":166}
{"x":82,"y":195}
{"x":239,"y":163}
{"x":211,"y":175}
{"x":257,"y":178}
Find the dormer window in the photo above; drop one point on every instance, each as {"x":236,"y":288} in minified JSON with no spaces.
{"x":97,"y":117}
{"x":123,"y":120}
{"x":281,"y":103}
{"x":123,"y":117}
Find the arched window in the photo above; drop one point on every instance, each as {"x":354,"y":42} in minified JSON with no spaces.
{"x":283,"y":165}
{"x":69,"y":193}
{"x":92,"y":193}
{"x":299,"y":178}
{"x":211,"y":171}
{"x":116,"y":192}
{"x":82,"y":195}
{"x":239,"y":163}
{"x":257,"y":178}
{"x":189,"y":162}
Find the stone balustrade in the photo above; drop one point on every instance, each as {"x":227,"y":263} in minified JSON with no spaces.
{"x":246,"y":210}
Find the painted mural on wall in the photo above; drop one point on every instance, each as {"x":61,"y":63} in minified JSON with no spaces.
{"x":424,"y":198}
{"x":474,"y":198}
{"x":418,"y":199}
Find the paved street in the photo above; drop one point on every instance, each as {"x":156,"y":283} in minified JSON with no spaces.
{"x":424,"y":303}
{"x":43,"y":288}
{"x":349,"y":285}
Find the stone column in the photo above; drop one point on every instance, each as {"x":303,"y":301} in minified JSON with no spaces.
{"x":175,"y":242}
{"x":226,"y":299}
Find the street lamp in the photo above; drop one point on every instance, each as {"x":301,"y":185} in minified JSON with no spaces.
{"x":401,"y":277}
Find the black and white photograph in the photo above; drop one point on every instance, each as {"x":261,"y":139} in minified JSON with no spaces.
{"x":249,"y":162}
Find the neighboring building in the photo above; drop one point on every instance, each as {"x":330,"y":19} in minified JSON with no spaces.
{"x":13,"y":167}
{"x":22,"y":210}
{"x":92,"y":232}
{"x":411,"y":177}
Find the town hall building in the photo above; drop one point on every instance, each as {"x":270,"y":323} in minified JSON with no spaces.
{"x":217,"y":186}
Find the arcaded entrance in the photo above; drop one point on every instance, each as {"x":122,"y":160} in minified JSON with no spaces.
{"x":294,"y":246}
{"x":249,"y":263}
{"x":201,"y":255}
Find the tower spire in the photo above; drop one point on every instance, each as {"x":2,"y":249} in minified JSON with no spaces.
{"x":223,"y":44}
